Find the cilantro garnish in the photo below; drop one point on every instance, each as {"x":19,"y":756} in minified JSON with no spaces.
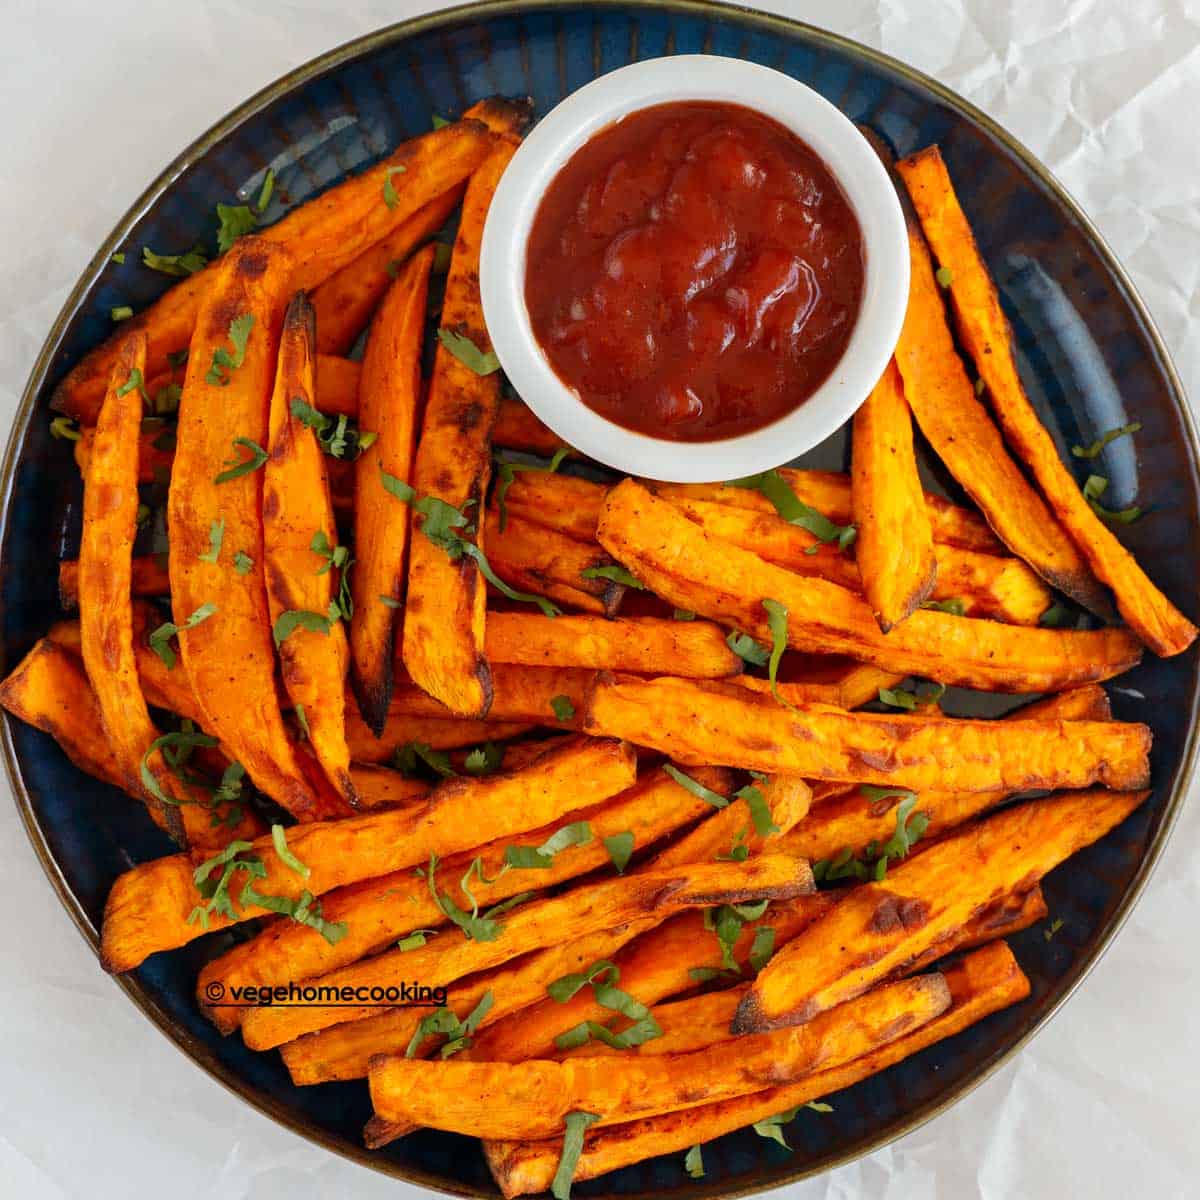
{"x":602,"y":977}
{"x":910,"y":827}
{"x":406,"y":758}
{"x":416,"y":939}
{"x":135,"y":380}
{"x":747,"y":649}
{"x":1094,"y":488}
{"x":161,"y":637}
{"x":615,"y":572}
{"x":389,"y":191}
{"x":924,"y":695}
{"x":122,"y":312}
{"x":224,"y":363}
{"x":243,"y":564}
{"x":620,"y":849}
{"x":215,"y":888}
{"x":482,"y":362}
{"x":176,"y":749}
{"x":777,"y":615}
{"x":285,"y":856}
{"x":695,"y":787}
{"x":578,"y":833}
{"x":300,"y":618}
{"x":794,"y":511}
{"x":216,"y":535}
{"x":175,"y":264}
{"x":65,"y":427}
{"x":442,"y":1020}
{"x":484,"y":760}
{"x":1104,"y":439}
{"x":693,"y":1163}
{"x":575,"y":1123}
{"x":306,"y":910}
{"x":562,"y":707}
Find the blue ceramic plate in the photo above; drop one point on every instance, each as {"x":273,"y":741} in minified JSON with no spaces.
{"x":1088,"y":353}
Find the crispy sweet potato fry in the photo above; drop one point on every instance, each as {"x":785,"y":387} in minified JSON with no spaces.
{"x":533,"y":558}
{"x":525,"y":694}
{"x":345,"y":302}
{"x":381,"y":787}
{"x":830,"y":493}
{"x":878,"y":928}
{"x":323,"y":235}
{"x":445,"y":732}
{"x":149,"y":577}
{"x":110,"y":500}
{"x":532,"y":1099}
{"x":985,"y":332}
{"x":986,"y":585}
{"x":389,"y":399}
{"x":694,"y":649}
{"x":517,"y":428}
{"x":337,"y":385}
{"x":296,"y":508}
{"x":344,"y":1051}
{"x":699,"y":721}
{"x":379,"y":910}
{"x":565,"y":503}
{"x":444,"y":615}
{"x":228,"y":655}
{"x":149,"y":906}
{"x":894,"y":550}
{"x":827,"y":679}
{"x":964,"y":437}
{"x":50,"y":690}
{"x":851,"y":820}
{"x":653,"y":967}
{"x":536,"y":925}
{"x":981,"y":983}
{"x":693,"y":570}
{"x":154,"y":456}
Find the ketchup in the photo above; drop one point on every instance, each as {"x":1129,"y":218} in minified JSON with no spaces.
{"x":694,"y":271}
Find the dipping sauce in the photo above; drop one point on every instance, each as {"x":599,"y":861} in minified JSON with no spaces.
{"x":694,"y":271}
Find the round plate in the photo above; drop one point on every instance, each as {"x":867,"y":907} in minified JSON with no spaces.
{"x":1088,"y":352}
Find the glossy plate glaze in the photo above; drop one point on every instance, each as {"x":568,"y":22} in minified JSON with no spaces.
{"x":1088,"y":353}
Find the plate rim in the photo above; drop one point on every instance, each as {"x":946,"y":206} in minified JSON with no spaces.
{"x":379,"y":39}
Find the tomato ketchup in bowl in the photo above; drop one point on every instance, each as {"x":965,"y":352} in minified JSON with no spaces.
{"x":694,"y":269}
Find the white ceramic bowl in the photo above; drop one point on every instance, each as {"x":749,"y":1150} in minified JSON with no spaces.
{"x":555,"y":139}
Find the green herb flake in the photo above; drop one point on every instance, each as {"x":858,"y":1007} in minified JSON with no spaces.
{"x":484,"y":760}
{"x":416,"y":939}
{"x":615,"y":572}
{"x":944,"y":277}
{"x":122,"y":312}
{"x":525,"y":858}
{"x":119,"y":258}
{"x":1054,"y":927}
{"x":265,"y":192}
{"x":1093,"y":451}
{"x":576,"y":1123}
{"x":213,"y":885}
{"x":482,"y":362}
{"x":1093,"y":489}
{"x":794,"y":511}
{"x":747,"y":649}
{"x":302,"y":721}
{"x":224,"y":363}
{"x":777,"y":622}
{"x":216,"y":535}
{"x":175,"y":749}
{"x":243,"y":564}
{"x":566,"y":986}
{"x":175,"y":264}
{"x":760,"y":810}
{"x":506,"y":473}
{"x":285,"y":856}
{"x":135,"y":381}
{"x":685,"y":614}
{"x":620,"y":849}
{"x":237,"y":467}
{"x":695,"y":787}
{"x":389,"y":191}
{"x":761,"y":948}
{"x":438,"y":122}
{"x":65,"y":428}
{"x":954,"y":606}
{"x":406,"y":760}
{"x":924,"y":695}
{"x":562,"y":707}
{"x":160,"y":638}
{"x":298,"y":618}
{"x":233,"y":220}
{"x":693,"y":1163}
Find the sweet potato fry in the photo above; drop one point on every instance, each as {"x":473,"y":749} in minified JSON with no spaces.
{"x":222,"y":614}
{"x":380,"y":910}
{"x":110,"y":500}
{"x":296,"y":511}
{"x":389,"y":399}
{"x":894,"y":549}
{"x":566,"y":504}
{"x":517,"y":428}
{"x":322,"y":235}
{"x":50,"y":690}
{"x":985,"y":333}
{"x":345,"y":1051}
{"x":149,"y":906}
{"x":536,"y":925}
{"x":694,"y":649}
{"x":445,"y":732}
{"x":148,"y":577}
{"x":532,"y":1099}
{"x":345,"y":302}
{"x":444,"y":615}
{"x":693,"y":570}
{"x":653,"y":967}
{"x":526,"y":694}
{"x":831,"y":493}
{"x":827,"y":679}
{"x":981,"y":983}
{"x":337,"y":385}
{"x":381,"y":787}
{"x":699,"y":721}
{"x":878,"y":928}
{"x":532,"y":558}
{"x":155,"y":455}
{"x":851,"y":820}
{"x":964,"y":437}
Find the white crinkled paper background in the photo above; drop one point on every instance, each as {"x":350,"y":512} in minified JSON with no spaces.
{"x":96,"y":98}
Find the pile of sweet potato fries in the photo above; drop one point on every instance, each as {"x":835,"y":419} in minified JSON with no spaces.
{"x":591,"y":756}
